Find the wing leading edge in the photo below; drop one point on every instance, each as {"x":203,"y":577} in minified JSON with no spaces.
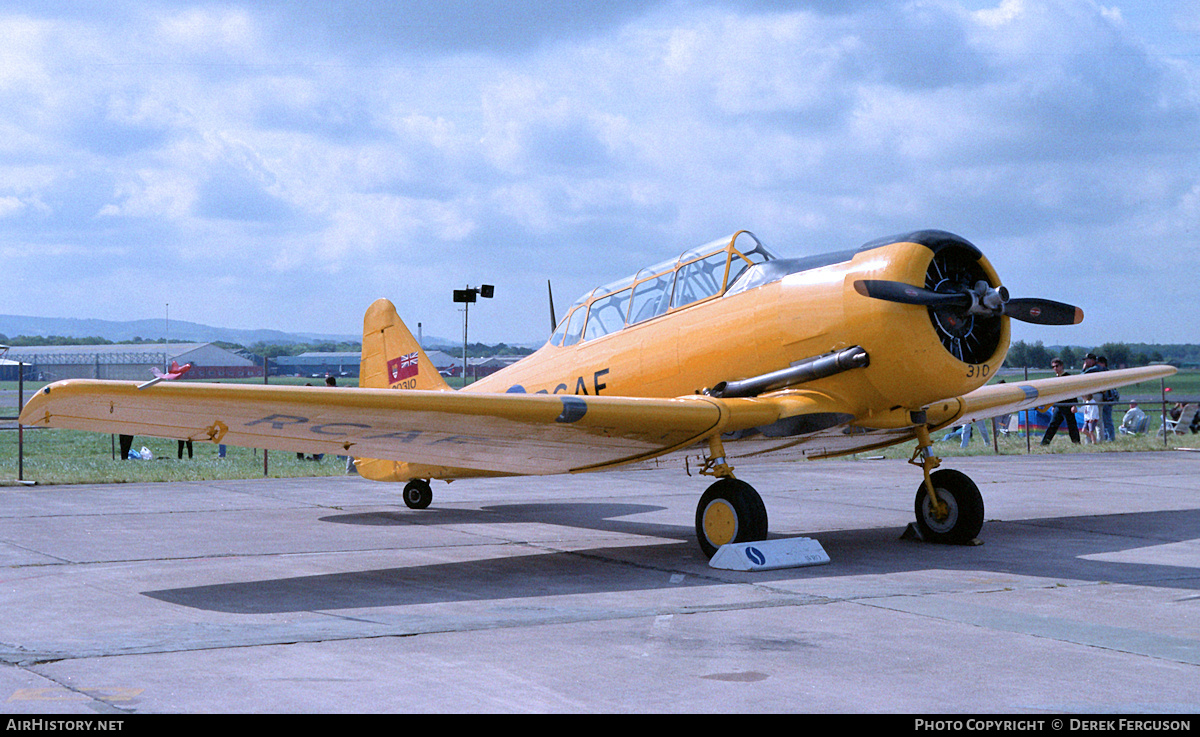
{"x":999,"y":399}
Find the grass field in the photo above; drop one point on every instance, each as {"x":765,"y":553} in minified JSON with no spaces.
{"x":70,"y":456}
{"x":77,"y":457}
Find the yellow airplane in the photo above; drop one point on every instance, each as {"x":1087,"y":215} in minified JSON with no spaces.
{"x":725,"y":354}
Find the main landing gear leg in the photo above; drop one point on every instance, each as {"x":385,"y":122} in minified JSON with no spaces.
{"x":948,"y":506}
{"x":730,"y":510}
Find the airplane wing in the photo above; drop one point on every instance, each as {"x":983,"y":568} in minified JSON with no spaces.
{"x":525,"y":434}
{"x":503,"y":434}
{"x":998,"y":399}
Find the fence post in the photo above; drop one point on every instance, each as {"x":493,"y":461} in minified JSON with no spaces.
{"x":20,"y":427}
{"x":1162,"y":391}
{"x":1028,"y":445}
{"x":266,"y":363}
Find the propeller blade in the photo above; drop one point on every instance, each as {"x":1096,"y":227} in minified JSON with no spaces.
{"x":1043,"y":311}
{"x":895,"y":291}
{"x":1037,"y":311}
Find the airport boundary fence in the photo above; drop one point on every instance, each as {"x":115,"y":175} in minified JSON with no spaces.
{"x":8,"y":421}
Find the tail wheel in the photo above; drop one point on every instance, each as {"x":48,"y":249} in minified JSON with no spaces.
{"x":730,"y":511}
{"x":964,"y":509}
{"x":417,"y":494}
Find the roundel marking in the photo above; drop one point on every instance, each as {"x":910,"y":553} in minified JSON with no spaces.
{"x":574,"y":409}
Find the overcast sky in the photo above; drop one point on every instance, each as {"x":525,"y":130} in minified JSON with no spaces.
{"x":281,"y":164}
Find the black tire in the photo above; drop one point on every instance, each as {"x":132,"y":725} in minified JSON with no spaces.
{"x":965,"y":516}
{"x":417,"y":494}
{"x":730,"y":511}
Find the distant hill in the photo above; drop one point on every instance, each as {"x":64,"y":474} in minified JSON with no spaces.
{"x":14,"y":325}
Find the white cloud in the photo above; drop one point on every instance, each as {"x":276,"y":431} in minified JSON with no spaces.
{"x":351,"y":148}
{"x":208,"y":31}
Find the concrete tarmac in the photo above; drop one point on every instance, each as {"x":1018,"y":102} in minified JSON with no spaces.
{"x":589,"y":594}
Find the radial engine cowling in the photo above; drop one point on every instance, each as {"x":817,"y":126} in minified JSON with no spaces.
{"x":934,"y":317}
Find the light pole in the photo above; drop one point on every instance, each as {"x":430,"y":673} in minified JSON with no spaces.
{"x":467,"y":296}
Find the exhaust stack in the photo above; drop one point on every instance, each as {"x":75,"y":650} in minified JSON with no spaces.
{"x":810,"y":369}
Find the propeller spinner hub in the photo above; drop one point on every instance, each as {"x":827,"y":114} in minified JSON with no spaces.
{"x":963,"y":326}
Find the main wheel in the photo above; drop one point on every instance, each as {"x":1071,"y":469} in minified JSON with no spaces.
{"x":417,"y":494}
{"x":730,"y":511}
{"x":964,"y":509}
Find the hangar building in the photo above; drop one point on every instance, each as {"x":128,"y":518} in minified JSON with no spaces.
{"x":131,"y":362}
{"x":317,"y":364}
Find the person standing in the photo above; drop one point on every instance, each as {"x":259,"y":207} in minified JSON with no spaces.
{"x":1091,"y":420}
{"x":966,"y":433}
{"x":1108,"y":398}
{"x":126,"y":446}
{"x":1064,"y":410}
{"x":1091,"y":365}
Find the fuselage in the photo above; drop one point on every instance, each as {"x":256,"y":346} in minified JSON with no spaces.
{"x":780,"y":312}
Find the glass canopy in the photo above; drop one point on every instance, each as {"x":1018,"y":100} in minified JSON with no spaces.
{"x":698,"y":274}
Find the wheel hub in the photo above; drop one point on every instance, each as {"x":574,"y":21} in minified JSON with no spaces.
{"x":948,"y":516}
{"x":720,"y":522}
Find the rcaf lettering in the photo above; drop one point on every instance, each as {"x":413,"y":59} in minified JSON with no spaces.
{"x":331,"y":429}
{"x":345,"y":429}
{"x":323,"y":429}
{"x":581,"y":385}
{"x":404,"y":436}
{"x":459,"y":440}
{"x":277,"y":422}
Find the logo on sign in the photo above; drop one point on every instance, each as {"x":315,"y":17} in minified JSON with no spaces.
{"x":404,"y":367}
{"x":756,"y":556}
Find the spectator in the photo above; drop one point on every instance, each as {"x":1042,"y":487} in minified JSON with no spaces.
{"x":965,"y":433}
{"x":1176,"y":411}
{"x":1063,"y":411}
{"x":1091,"y":365}
{"x":1001,"y":422}
{"x":1108,"y":397}
{"x":1091,"y":419}
{"x":126,"y":446}
{"x":1135,"y":421}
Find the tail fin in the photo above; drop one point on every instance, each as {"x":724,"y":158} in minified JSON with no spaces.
{"x":391,"y":356}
